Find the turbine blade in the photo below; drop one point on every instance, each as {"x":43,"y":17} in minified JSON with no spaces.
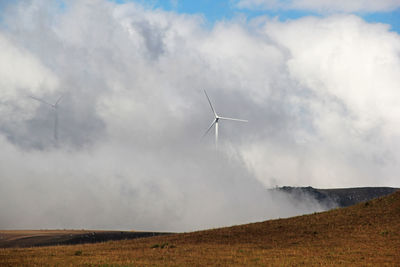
{"x":215,"y":114}
{"x":209,"y":128}
{"x":231,"y":119}
{"x":59,"y":99}
{"x":41,"y":100}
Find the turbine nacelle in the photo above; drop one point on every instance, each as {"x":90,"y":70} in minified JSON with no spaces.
{"x":55,"y":107}
{"x":216,"y":120}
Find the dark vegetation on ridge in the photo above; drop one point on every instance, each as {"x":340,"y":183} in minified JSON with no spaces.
{"x":338,"y":197}
{"x":36,"y":238}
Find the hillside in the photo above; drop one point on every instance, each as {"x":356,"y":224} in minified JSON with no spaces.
{"x":367,"y":234}
{"x":35,"y":238}
{"x":331,"y":198}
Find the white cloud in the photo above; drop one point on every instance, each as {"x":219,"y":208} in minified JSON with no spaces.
{"x":323,"y":6}
{"x":348,"y":69}
{"x":320,"y":96}
{"x":21,"y":75}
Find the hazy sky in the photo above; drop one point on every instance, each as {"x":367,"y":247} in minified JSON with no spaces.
{"x":319,"y":84}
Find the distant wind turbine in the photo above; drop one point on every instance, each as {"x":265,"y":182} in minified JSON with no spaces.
{"x":55,"y":108}
{"x":216,"y":121}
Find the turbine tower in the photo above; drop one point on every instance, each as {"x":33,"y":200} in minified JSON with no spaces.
{"x":216,"y":120}
{"x":55,"y":108}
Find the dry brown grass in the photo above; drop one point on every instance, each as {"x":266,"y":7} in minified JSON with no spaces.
{"x":367,"y":234}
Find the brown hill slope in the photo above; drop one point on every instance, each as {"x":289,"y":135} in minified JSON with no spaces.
{"x":367,"y":234}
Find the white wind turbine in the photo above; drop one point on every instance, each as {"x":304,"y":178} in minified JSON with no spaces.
{"x":216,"y":121}
{"x":55,"y":108}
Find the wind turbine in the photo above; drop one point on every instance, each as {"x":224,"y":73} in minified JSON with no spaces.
{"x":55,"y":108}
{"x":216,"y":121}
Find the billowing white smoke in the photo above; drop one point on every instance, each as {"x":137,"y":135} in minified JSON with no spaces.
{"x":319,"y":94}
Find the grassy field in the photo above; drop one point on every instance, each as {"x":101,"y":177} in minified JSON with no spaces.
{"x":367,"y":234}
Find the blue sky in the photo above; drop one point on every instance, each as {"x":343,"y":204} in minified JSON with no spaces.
{"x":392,"y":18}
{"x":213,"y":11}
{"x":217,"y":10}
